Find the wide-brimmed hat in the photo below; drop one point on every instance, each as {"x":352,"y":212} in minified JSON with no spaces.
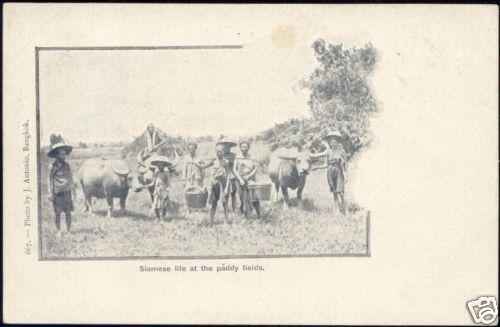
{"x":156,"y":160}
{"x":57,"y":143}
{"x":332,"y":134}
{"x":227,"y":141}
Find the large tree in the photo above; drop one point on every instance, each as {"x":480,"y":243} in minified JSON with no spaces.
{"x":340,"y":98}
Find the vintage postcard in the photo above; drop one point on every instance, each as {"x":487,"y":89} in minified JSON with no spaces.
{"x":320,"y":163}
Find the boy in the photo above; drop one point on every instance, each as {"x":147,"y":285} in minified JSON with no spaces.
{"x":161,"y":183}
{"x":61,"y":183}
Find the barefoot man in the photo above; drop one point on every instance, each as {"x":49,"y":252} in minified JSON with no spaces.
{"x":336,"y":165}
{"x":223,"y":181}
{"x":153,"y":143}
{"x":245,"y":169}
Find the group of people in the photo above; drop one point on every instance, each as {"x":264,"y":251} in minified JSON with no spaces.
{"x":230,"y":174}
{"x":229,"y":177}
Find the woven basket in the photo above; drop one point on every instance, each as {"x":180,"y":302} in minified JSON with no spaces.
{"x":260,"y":191}
{"x":196,"y":199}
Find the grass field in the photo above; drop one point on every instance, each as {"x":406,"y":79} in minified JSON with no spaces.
{"x":309,"y":229}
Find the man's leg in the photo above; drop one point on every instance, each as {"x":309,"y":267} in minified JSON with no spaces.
{"x":212,"y":211}
{"x":58,"y":220}
{"x":225,"y":204}
{"x":67,"y":215}
{"x":233,"y":201}
{"x":342,"y":203}
{"x":226,"y":209}
{"x":336,"y":202}
{"x":241,"y":199}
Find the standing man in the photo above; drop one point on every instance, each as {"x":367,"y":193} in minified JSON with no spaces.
{"x":192,"y":174}
{"x":224,"y":181}
{"x":219,"y":182}
{"x":232,"y":182}
{"x":153,"y":142}
{"x":245,"y":169}
{"x":336,"y":165}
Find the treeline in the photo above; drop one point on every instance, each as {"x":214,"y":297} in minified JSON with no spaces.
{"x":85,"y":145}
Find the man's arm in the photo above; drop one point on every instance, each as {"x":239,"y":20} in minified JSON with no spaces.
{"x":318,"y":155}
{"x":203,"y":166}
{"x":251,"y":174}
{"x":236,"y":173}
{"x":323,"y":166}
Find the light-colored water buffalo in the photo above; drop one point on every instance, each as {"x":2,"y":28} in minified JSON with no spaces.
{"x":289,"y":173}
{"x":108,"y":179}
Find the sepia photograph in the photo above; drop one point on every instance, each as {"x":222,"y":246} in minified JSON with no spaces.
{"x":124,"y":175}
{"x":274,"y":164}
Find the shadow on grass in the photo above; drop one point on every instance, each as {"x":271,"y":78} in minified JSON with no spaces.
{"x":118,"y":214}
{"x":305,"y":204}
{"x":173,"y":214}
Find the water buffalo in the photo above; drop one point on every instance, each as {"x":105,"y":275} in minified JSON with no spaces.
{"x":289,"y":173}
{"x":108,"y":179}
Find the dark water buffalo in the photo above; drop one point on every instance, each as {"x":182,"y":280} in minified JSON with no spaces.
{"x":289,"y":173}
{"x":108,"y":179}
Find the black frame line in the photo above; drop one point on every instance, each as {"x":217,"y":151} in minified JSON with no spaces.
{"x":201,"y":257}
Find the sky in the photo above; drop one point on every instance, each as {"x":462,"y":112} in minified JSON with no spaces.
{"x":105,"y":96}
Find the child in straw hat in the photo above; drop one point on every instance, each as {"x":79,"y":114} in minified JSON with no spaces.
{"x":61,"y":186}
{"x":161,"y":183}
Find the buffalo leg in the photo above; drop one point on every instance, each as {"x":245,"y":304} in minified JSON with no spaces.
{"x":88,"y":203}
{"x":109,"y":200}
{"x":123,"y":201}
{"x":299,"y":194}
{"x":277,"y":187}
{"x":284,"y":190}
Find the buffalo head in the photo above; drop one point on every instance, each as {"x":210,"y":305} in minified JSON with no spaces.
{"x":303,"y":163}
{"x":138,"y":178}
